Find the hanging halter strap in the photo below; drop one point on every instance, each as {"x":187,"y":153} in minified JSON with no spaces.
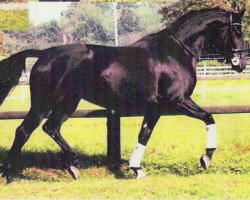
{"x":184,"y":46}
{"x":234,"y":24}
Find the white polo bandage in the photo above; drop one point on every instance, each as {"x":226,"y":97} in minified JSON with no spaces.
{"x":211,"y":136}
{"x":136,"y":158}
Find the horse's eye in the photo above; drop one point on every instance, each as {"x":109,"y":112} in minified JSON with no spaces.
{"x":238,"y":29}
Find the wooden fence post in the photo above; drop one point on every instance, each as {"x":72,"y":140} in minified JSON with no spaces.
{"x":113,"y":137}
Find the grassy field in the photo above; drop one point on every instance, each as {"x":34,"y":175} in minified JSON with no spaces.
{"x":171,"y":159}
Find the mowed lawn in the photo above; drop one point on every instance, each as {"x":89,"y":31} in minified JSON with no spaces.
{"x":171,"y":159}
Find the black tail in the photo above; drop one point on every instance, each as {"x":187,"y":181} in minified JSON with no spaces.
{"x":11,"y":70}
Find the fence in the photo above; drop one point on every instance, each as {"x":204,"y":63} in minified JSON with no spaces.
{"x":221,"y":72}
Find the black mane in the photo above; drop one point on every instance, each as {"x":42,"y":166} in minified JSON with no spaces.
{"x":190,"y":23}
{"x":196,"y":18}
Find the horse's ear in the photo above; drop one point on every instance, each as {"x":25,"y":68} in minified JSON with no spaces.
{"x":242,"y":12}
{"x":238,"y":16}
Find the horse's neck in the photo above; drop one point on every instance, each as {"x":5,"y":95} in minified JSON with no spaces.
{"x":198,"y":45}
{"x":194,"y":34}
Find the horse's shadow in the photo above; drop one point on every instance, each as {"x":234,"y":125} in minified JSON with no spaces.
{"x":56,"y":161}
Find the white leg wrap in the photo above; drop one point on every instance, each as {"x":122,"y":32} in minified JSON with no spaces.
{"x":140,"y":174}
{"x":136,"y":158}
{"x":211,"y":136}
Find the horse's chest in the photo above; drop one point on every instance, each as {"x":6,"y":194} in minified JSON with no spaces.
{"x":174,"y":84}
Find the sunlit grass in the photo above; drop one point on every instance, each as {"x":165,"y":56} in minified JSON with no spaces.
{"x":171,"y":161}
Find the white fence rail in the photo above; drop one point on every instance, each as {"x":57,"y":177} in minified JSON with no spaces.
{"x":220,"y":71}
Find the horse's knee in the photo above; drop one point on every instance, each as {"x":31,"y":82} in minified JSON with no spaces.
{"x":208,"y":119}
{"x":22,"y":134}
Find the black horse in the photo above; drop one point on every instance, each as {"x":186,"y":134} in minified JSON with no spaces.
{"x":154,"y":75}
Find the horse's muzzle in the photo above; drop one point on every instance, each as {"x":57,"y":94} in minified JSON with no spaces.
{"x":238,"y":64}
{"x":235,"y":61}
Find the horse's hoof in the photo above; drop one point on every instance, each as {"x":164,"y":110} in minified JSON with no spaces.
{"x":74,"y":172}
{"x":139,"y":172}
{"x":205,"y":162}
{"x":10,"y":180}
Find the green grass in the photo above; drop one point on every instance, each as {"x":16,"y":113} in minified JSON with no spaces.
{"x":14,"y":19}
{"x":222,"y":92}
{"x":171,"y":158}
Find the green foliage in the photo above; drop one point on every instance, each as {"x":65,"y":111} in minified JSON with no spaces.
{"x":128,"y":22}
{"x":136,"y":20}
{"x":149,"y":17}
{"x":49,"y":31}
{"x":14,"y":20}
{"x":20,"y":40}
{"x":89,"y":23}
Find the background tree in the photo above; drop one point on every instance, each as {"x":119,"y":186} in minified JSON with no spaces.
{"x":49,"y":32}
{"x":128,"y":22}
{"x":93,"y":23}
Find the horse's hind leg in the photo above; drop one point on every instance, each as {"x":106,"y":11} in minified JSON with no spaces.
{"x":151,"y":117}
{"x":23,"y":132}
{"x":52,"y":128}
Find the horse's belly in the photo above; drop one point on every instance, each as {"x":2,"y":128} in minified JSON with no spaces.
{"x":132,"y":99}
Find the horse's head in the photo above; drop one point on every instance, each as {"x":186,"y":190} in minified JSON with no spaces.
{"x":231,"y":42}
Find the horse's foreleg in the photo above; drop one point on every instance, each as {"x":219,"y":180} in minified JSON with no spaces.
{"x":23,"y":132}
{"x":150,"y":119}
{"x":189,"y":108}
